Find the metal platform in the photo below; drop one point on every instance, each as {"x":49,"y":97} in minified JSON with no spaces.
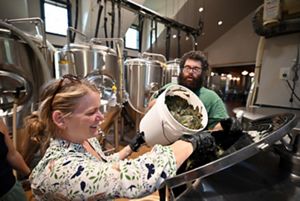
{"x":260,"y":178}
{"x":270,"y":129}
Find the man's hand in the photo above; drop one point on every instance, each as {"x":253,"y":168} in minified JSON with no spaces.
{"x":137,"y":141}
{"x":231,"y":125}
{"x":232,"y":131}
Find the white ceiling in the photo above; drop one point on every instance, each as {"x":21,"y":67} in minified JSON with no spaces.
{"x":229,"y":11}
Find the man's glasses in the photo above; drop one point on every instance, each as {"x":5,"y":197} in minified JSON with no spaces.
{"x":193,"y":69}
{"x":71,"y":78}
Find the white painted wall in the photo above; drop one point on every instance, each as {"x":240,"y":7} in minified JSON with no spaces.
{"x":239,"y":45}
{"x":236,"y":46}
{"x":279,"y":52}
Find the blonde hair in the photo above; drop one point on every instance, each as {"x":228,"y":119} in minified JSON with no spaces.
{"x":62,"y":95}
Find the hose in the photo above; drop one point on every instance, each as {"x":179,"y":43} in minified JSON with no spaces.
{"x":76,"y":20}
{"x":151,"y":34}
{"x":141,"y":27}
{"x":105,"y":22}
{"x":168,"y":36}
{"x":112,"y":22}
{"x":98,"y":17}
{"x":119,"y":19}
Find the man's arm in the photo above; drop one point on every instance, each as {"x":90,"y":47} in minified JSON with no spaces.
{"x":14,"y":158}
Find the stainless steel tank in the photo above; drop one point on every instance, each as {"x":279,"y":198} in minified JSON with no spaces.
{"x":23,"y":70}
{"x":91,"y":60}
{"x":171,"y":71}
{"x":143,"y":77}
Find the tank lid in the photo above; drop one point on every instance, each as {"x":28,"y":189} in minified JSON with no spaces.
{"x":77,"y":46}
{"x":103,"y":48}
{"x":139,"y":61}
{"x":174,"y":61}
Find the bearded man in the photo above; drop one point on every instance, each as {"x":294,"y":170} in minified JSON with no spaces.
{"x":193,"y":67}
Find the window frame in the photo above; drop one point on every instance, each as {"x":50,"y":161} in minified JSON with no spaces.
{"x":138,"y":38}
{"x":60,"y":3}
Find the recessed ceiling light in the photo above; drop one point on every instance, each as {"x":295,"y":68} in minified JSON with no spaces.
{"x":201,"y":9}
{"x":220,"y":22}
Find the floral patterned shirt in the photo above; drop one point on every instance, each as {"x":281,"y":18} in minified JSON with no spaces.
{"x":68,"y":172}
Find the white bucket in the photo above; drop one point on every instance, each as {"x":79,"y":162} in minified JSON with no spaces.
{"x":158,"y":124}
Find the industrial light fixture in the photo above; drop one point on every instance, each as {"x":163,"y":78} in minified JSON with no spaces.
{"x":174,"y":36}
{"x":220,"y":22}
{"x":251,"y":74}
{"x":201,"y":9}
{"x":245,"y":72}
{"x":196,"y":43}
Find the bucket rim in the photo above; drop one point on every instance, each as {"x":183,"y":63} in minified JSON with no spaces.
{"x":204,"y":116}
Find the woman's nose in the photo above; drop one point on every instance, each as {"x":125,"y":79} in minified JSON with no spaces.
{"x":99,"y":116}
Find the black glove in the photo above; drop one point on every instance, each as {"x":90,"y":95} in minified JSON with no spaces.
{"x":231,"y":125}
{"x":137,"y":141}
{"x":204,"y":150}
{"x":202,"y":141}
{"x":232,"y":131}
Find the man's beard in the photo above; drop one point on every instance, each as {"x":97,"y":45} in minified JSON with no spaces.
{"x":193,"y":85}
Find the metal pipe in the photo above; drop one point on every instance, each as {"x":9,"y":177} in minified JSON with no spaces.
{"x":194,"y":43}
{"x":71,"y":29}
{"x":178,"y":44}
{"x":154,"y":54}
{"x":39,"y":24}
{"x":168,"y":37}
{"x":254,"y":87}
{"x":137,"y":8}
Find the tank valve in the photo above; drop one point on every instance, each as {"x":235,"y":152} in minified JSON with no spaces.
{"x":113,"y":98}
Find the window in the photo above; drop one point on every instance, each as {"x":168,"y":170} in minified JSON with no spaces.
{"x":132,"y":38}
{"x":55,"y":15}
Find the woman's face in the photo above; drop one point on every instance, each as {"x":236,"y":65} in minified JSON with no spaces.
{"x":84,"y":121}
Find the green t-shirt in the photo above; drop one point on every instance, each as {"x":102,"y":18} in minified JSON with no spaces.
{"x":214,"y":105}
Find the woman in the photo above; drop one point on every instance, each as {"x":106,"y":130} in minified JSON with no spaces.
{"x":10,"y":158}
{"x":74,"y":166}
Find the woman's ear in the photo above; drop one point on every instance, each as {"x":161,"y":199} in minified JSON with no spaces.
{"x":58,"y":119}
